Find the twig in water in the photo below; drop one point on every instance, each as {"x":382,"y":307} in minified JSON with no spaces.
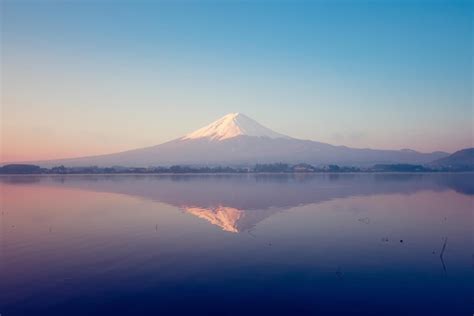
{"x":364,"y":220}
{"x":442,"y":253}
{"x":250,"y":233}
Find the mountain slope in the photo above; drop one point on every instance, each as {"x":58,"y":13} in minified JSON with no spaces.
{"x":236,"y":139}
{"x":462,"y":159}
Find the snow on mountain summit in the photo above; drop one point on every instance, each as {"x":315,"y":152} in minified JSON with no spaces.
{"x":232,"y":125}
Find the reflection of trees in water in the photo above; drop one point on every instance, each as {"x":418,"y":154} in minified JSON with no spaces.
{"x":20,"y":179}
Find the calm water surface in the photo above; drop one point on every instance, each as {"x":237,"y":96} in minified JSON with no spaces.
{"x":354,"y":244}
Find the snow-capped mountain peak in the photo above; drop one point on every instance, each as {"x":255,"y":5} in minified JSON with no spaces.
{"x":232,"y":125}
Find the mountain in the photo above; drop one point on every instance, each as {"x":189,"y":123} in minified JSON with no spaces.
{"x":236,"y":139}
{"x":460,"y":160}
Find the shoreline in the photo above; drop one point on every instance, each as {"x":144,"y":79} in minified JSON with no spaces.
{"x":229,"y":173}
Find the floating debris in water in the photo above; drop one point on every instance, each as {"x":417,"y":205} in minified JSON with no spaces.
{"x":385,"y":239}
{"x":364,"y":220}
{"x":401,"y":240}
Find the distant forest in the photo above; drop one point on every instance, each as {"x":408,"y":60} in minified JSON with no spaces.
{"x":258,"y":168}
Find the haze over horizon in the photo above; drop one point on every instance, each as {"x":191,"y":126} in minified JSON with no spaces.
{"x":237,"y":140}
{"x":90,"y":78}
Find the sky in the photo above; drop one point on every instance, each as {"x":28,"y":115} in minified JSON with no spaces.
{"x":92,"y":77}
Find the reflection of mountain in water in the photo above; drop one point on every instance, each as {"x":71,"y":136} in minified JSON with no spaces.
{"x":225,"y":217}
{"x":230,"y":219}
{"x":238,"y":202}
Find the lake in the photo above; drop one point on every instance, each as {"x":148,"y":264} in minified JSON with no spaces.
{"x":296,"y":244}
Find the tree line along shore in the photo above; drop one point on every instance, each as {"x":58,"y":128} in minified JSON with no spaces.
{"x":258,"y":168}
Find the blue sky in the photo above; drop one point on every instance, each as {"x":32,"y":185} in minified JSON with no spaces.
{"x":89,"y":77}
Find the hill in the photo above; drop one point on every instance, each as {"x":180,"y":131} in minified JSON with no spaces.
{"x":460,"y":160}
